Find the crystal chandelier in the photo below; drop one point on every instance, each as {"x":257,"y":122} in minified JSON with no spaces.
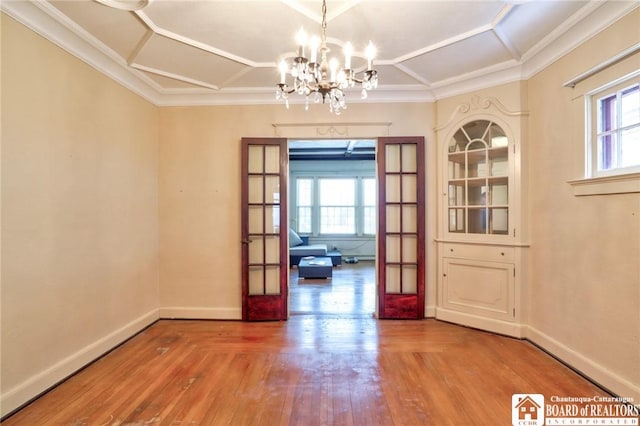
{"x":324,"y":81}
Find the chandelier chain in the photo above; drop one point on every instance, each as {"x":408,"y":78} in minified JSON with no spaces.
{"x":324,"y":21}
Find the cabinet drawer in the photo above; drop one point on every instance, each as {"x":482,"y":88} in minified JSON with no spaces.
{"x":479,"y":252}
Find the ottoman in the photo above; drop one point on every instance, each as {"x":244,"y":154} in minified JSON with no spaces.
{"x":318,"y":267}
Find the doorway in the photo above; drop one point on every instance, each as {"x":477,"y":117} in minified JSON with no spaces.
{"x":333,"y":193}
{"x":400,"y":230}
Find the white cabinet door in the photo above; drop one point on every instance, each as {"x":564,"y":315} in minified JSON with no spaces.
{"x":479,"y":288}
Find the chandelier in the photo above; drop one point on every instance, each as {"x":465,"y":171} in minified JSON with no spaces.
{"x":324,"y":81}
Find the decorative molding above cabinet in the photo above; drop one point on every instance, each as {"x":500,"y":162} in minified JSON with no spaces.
{"x":482,"y":234}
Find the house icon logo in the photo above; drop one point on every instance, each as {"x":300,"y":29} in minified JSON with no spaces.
{"x":527,"y":409}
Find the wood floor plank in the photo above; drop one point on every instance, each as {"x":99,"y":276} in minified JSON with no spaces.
{"x":314,"y":369}
{"x":339,"y":370}
{"x":202,"y":394}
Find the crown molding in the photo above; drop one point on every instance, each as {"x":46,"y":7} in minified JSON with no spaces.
{"x":126,"y":5}
{"x":265,"y":96}
{"x":44,"y":20}
{"x":592,"y":19}
{"x":47,"y":21}
{"x":504,"y":73}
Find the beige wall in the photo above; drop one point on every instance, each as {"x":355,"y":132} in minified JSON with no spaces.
{"x":200,"y":192}
{"x":79,"y":213}
{"x":584,"y":294}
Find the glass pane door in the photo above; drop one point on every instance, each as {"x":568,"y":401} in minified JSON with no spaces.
{"x":264,"y":244}
{"x":401,"y":228}
{"x":478,"y":182}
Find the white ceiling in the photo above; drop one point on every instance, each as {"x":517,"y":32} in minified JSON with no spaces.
{"x":225,"y":52}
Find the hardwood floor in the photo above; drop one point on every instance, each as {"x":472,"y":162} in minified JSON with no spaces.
{"x":337,"y":368}
{"x":351,"y":291}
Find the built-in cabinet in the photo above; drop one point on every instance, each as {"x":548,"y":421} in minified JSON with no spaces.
{"x":481,"y":243}
{"x":479,"y":280}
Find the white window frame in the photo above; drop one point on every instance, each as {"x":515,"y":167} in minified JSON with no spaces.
{"x":353,"y":217}
{"x":310,"y":206}
{"x":362,"y":206}
{"x":613,"y":181}
{"x":315,"y":208}
{"x":592,"y":101}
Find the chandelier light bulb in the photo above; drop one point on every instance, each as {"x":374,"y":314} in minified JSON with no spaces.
{"x":348,"y":51}
{"x":301,"y":39}
{"x":370,"y":52}
{"x":283,"y":71}
{"x":314,"y":44}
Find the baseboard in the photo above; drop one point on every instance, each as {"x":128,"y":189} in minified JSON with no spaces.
{"x":512,"y":329}
{"x":19,"y":395}
{"x":183,"y":312}
{"x":430,"y":311}
{"x":584,"y":365}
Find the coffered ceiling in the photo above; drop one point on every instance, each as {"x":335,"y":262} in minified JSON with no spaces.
{"x":226,"y":52}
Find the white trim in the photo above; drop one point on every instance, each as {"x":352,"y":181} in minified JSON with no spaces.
{"x":177,"y":77}
{"x":187,"y":312}
{"x":585,"y":365}
{"x":47,"y":21}
{"x":593,"y":18}
{"x":603,"y":185}
{"x":512,"y":329}
{"x":349,"y":130}
{"x":477,"y":104}
{"x":196,"y":44}
{"x":541,"y":54}
{"x":442,"y":43}
{"x":125,"y":5}
{"x":430,"y":311}
{"x":334,"y":170}
{"x":482,"y":243}
{"x":15,"y":397}
{"x":43,"y":19}
{"x":618,"y":179}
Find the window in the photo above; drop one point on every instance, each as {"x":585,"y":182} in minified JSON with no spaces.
{"x":612,"y":137}
{"x":615,"y":116}
{"x":369,"y":195}
{"x":336,"y":205}
{"x":304,"y":195}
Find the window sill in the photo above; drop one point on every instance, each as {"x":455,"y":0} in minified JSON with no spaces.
{"x":618,"y":184}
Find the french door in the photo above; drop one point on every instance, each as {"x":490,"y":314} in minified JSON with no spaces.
{"x":264,"y":229}
{"x":401,"y":227}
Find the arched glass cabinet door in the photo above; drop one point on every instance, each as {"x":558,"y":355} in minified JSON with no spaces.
{"x":478,"y":179}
